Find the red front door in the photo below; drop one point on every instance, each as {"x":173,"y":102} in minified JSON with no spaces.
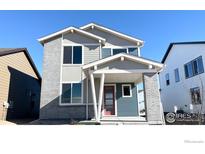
{"x":109,"y":100}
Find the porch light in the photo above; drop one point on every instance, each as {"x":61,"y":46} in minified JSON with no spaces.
{"x":92,"y":26}
{"x":150,"y":66}
{"x":72,"y":30}
{"x":122,"y":58}
{"x":95,"y":67}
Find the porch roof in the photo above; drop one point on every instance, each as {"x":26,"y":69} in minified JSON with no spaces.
{"x":122,"y":56}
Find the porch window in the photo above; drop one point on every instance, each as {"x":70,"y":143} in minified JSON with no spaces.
{"x":126,"y":90}
{"x":72,"y":55}
{"x":71,"y":93}
{"x":133,"y":51}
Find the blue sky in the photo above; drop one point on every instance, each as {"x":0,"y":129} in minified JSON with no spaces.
{"x":156,"y":28}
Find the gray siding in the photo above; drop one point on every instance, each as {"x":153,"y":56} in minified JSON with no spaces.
{"x":126,"y":106}
{"x":71,"y":38}
{"x":71,"y":73}
{"x":91,"y":53}
{"x":126,"y":64}
{"x":111,"y":40}
{"x":152,"y":98}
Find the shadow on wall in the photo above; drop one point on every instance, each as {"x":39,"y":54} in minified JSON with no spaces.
{"x":23,"y":95}
{"x":51,"y":110}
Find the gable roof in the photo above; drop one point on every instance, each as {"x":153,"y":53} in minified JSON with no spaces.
{"x":7,"y":51}
{"x":178,"y":43}
{"x":112,"y":32}
{"x":42,"y":39}
{"x":130,"y":57}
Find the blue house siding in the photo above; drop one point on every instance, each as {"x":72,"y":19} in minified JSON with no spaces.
{"x":126,"y":106}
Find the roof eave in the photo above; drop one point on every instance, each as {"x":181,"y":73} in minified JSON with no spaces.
{"x":43,"y":39}
{"x":102,"y":61}
{"x":138,"y":41}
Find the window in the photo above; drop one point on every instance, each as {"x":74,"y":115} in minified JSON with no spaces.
{"x":116,"y":51}
{"x":167,"y":79}
{"x":133,"y":51}
{"x":67,"y":55}
{"x":176,"y":73}
{"x":200,"y":65}
{"x":71,"y":93}
{"x":194,"y":67}
{"x":126,"y":90}
{"x":72,"y":55}
{"x":195,"y":95}
{"x":106,"y":52}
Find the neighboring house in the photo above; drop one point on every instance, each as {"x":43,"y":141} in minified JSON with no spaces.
{"x":182,"y":80}
{"x":92,"y":72}
{"x":19,"y":85}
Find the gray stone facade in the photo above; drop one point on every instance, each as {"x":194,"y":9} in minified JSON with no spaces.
{"x":152,"y":98}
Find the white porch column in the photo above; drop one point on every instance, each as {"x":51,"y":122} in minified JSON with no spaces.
{"x":102,"y":79}
{"x":93,"y":95}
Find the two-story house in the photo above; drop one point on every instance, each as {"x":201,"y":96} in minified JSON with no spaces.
{"x":182,"y":80}
{"x":93,"y":72}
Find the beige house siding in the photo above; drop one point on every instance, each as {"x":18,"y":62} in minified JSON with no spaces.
{"x":17,"y":61}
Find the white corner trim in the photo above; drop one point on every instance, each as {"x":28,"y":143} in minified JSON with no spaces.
{"x":130,"y":87}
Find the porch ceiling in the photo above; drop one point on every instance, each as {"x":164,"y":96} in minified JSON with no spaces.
{"x":121,"y":77}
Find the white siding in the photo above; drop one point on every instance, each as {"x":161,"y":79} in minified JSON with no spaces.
{"x":178,"y":93}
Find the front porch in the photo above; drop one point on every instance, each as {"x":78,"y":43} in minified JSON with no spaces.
{"x":115,"y":85}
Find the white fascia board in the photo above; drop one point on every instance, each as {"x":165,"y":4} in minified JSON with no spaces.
{"x":117,"y":71}
{"x":130,"y":57}
{"x":68,"y":29}
{"x":112,"y":31}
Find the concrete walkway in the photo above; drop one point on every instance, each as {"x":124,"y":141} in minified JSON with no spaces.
{"x":2,"y":122}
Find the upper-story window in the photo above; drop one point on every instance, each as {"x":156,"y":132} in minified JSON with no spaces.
{"x":116,"y":51}
{"x":176,"y":74}
{"x":194,"y":67}
{"x":133,"y":51}
{"x":72,"y":55}
{"x":167,"y":79}
{"x":106,"y":52}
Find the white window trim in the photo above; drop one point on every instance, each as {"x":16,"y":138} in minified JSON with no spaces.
{"x":71,"y":104}
{"x":72,"y":45}
{"x":123,"y":85}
